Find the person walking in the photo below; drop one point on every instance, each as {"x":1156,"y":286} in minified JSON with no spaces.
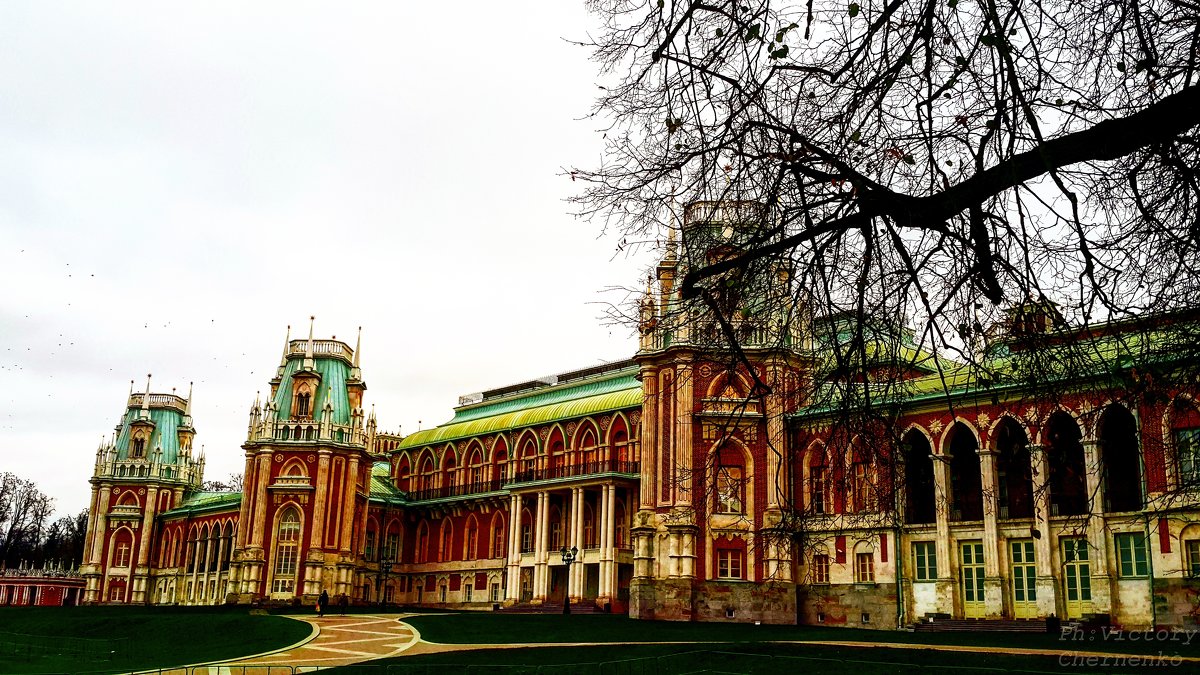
{"x":343,"y":601}
{"x":322,"y":602}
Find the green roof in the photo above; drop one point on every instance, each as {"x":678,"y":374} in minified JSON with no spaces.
{"x":206,"y":501}
{"x":165,"y":436}
{"x":1073,"y":358}
{"x":334,"y":372}
{"x":381,"y":483}
{"x":613,"y":391}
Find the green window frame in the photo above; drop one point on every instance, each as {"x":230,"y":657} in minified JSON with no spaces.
{"x":1132,"y":560}
{"x":925,"y":555}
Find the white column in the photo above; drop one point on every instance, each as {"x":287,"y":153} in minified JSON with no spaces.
{"x":608,"y":563}
{"x":513,"y":592}
{"x":541,"y":578}
{"x":1047,"y":603}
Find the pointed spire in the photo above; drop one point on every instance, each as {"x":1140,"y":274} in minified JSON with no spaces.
{"x":287,"y":343}
{"x":357,"y":346}
{"x":187,"y":406}
{"x":308,"y":353}
{"x":146,"y":399}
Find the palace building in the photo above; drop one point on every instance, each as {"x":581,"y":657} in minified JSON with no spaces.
{"x":694,"y":483}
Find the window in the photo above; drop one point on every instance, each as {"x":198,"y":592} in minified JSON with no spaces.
{"x":816,"y":481}
{"x":287,"y":542}
{"x":472,"y":540}
{"x":116,"y":594}
{"x":1191,"y":552}
{"x":444,"y":550}
{"x":860,"y":487}
{"x":1131,"y":554}
{"x":925,"y":553}
{"x":526,"y":538}
{"x":495,"y":592}
{"x":369,"y":550}
{"x":864,"y":568}
{"x":1187,"y":450}
{"x":820,"y":569}
{"x":729,"y":489}
{"x":391,"y":549}
{"x":555,"y":535}
{"x":442,"y":589}
{"x":122,"y":557}
{"x":139,"y":447}
{"x":729,"y":563}
{"x":302,"y":405}
{"x":497,"y":539}
{"x":468,"y":590}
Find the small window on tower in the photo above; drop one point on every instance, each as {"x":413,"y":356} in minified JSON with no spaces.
{"x":302,"y":404}
{"x":139,"y":447}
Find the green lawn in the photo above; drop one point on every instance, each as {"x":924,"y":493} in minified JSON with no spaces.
{"x":743,"y":658}
{"x":120,"y":639}
{"x":484,"y":628}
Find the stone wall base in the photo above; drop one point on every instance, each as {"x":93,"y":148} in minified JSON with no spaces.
{"x":855,"y":605}
{"x":733,"y":601}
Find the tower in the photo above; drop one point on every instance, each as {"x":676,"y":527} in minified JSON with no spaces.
{"x":714,"y":480}
{"x":308,"y":462}
{"x":144,"y":469}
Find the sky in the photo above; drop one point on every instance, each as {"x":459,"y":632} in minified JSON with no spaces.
{"x":182,"y":181}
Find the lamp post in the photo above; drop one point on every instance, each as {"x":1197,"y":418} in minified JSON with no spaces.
{"x":386,"y":566}
{"x":568,"y":557}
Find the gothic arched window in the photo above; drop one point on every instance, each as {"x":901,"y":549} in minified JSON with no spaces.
{"x":287,"y":548}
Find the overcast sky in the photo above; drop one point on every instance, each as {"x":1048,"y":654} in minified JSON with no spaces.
{"x":181,"y":181}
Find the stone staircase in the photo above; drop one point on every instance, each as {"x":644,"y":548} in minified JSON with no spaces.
{"x":943,"y":623}
{"x":551,"y":608}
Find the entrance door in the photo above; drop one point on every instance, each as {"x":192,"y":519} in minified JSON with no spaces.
{"x":526,"y":584}
{"x":971,"y":573}
{"x":1077,"y":577}
{"x":1024,"y":579}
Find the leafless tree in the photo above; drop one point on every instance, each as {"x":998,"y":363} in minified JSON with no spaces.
{"x":964,"y":168}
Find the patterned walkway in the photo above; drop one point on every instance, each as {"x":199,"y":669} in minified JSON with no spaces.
{"x":343,"y":640}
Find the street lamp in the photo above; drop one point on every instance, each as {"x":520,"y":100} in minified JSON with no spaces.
{"x":386,"y":566}
{"x":568,"y":557}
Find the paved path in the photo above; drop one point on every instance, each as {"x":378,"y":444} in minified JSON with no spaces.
{"x":336,"y":641}
{"x":345,"y":640}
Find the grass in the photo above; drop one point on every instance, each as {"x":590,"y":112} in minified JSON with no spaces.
{"x":744,"y":658}
{"x":39,"y":640}
{"x":486,"y":628}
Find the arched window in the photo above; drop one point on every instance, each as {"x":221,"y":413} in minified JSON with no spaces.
{"x":966,"y":483}
{"x":1014,"y":473}
{"x":448,"y":473}
{"x":526,"y":531}
{"x":303,"y":403}
{"x":139,"y":447}
{"x":556,"y":529}
{"x":919,"y":501}
{"x":391,"y":545}
{"x":497,"y":538}
{"x":470,"y":547}
{"x":122,"y":552}
{"x":287,"y":545}
{"x":818,"y":502}
{"x":731,"y":477}
{"x":1068,"y":476}
{"x":476,"y":470}
{"x":1185,"y":433}
{"x":422,"y":554}
{"x":589,"y":526}
{"x":445,"y":548}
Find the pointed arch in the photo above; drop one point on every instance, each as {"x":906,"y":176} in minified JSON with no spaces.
{"x":475,"y":466}
{"x":1120,"y":458}
{"x":1181,"y":424}
{"x":446,"y":540}
{"x":285,"y":555}
{"x":729,"y":384}
{"x":1068,"y":473}
{"x":620,"y":440}
{"x":816,"y":479}
{"x":421,"y":555}
{"x":556,"y":446}
{"x":733,"y":467}
{"x":1014,"y":468}
{"x":920,"y":489}
{"x":497,"y":538}
{"x":961,"y":444}
{"x":499,"y":461}
{"x":471,"y":538}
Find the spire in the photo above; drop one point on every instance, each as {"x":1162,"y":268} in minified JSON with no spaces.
{"x":308,"y":351}
{"x":357,"y":346}
{"x":187,"y":406}
{"x":146,"y":399}
{"x":287,"y":341}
